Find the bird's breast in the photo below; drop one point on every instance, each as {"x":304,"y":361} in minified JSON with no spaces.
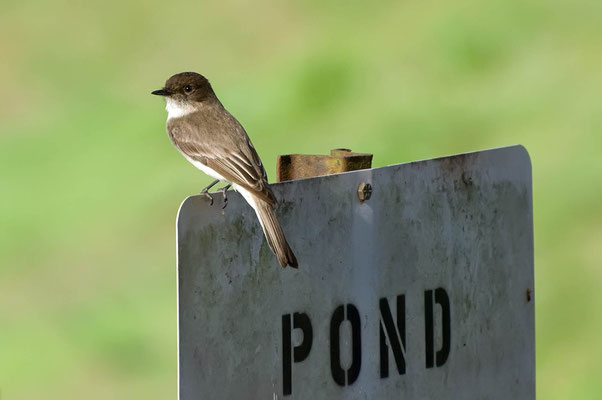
{"x":177,"y":109}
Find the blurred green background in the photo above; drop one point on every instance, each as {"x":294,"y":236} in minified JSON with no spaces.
{"x":90,"y":184}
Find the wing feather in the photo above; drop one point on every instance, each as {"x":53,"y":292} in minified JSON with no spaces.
{"x":223,"y":147}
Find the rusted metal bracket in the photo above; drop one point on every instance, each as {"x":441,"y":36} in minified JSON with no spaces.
{"x":298,"y":166}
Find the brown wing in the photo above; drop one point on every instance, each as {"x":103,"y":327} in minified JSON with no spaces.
{"x":216,"y":139}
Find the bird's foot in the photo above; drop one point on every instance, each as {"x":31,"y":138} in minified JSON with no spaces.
{"x":205,"y":192}
{"x":224,"y":192}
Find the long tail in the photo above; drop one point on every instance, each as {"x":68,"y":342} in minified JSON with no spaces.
{"x":274,"y":235}
{"x":271,"y":228}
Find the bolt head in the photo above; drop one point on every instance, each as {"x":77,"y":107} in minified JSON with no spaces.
{"x":364,"y":191}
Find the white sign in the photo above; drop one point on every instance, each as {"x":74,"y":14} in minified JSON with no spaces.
{"x":423,"y":291}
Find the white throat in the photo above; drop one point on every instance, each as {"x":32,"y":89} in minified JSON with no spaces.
{"x":177,"y":109}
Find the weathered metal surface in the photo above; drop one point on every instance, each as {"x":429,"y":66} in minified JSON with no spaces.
{"x":447,"y":241}
{"x":298,"y":166}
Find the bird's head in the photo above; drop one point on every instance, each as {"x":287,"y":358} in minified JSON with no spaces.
{"x":186,"y":87}
{"x":184,"y":90}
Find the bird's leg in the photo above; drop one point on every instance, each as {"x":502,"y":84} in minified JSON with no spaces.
{"x":212,"y":184}
{"x":224,"y":191}
{"x":205,"y":191}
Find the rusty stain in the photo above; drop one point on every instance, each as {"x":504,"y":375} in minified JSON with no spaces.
{"x":467,"y":179}
{"x":298,"y":166}
{"x":456,"y":162}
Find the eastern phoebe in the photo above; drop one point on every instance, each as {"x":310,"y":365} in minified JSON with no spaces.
{"x":213,"y":140}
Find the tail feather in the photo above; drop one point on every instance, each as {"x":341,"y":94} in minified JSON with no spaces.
{"x":271,"y":228}
{"x":274,"y":235}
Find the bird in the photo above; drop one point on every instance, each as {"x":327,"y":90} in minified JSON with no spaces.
{"x":212,"y":140}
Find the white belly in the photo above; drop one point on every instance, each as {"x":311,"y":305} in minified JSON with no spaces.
{"x":206,"y":169}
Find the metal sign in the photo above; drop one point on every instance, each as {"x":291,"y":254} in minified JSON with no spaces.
{"x":423,"y":290}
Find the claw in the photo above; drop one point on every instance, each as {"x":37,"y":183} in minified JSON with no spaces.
{"x":205,"y":192}
{"x":224,"y":191}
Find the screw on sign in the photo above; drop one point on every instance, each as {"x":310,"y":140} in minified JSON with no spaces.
{"x":364,"y":191}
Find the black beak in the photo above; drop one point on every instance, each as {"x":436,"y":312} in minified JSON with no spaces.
{"x":161,"y":92}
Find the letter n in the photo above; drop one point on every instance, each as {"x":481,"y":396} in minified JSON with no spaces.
{"x":394,"y":335}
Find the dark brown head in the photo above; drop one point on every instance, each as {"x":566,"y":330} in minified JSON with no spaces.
{"x":187,"y":87}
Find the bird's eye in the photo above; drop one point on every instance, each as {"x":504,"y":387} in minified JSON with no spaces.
{"x":188,"y":88}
